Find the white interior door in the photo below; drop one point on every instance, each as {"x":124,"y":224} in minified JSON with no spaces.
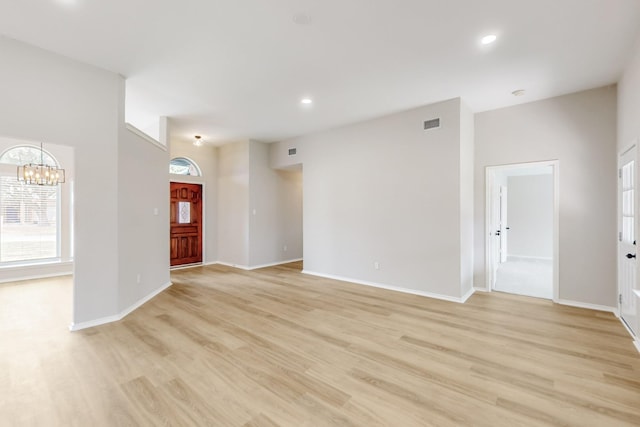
{"x":503,"y":223}
{"x":627,"y":238}
{"x":494,"y":237}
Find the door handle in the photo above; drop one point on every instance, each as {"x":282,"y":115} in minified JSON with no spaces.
{"x":631,"y":256}
{"x":497,"y":232}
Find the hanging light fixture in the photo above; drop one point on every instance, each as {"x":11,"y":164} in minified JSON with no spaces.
{"x":40,"y":174}
{"x":198,"y":141}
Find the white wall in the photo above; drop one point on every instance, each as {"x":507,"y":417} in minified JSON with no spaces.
{"x":467,"y":135}
{"x":275,"y":217}
{"x":629,"y":101}
{"x":47,"y":97}
{"x":530,"y":216}
{"x":233,"y":204}
{"x":578,"y":130}
{"x":51,"y":98}
{"x":386,"y":191}
{"x":143,"y":235}
{"x":206,"y":157}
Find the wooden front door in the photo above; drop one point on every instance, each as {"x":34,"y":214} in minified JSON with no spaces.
{"x":186,"y":223}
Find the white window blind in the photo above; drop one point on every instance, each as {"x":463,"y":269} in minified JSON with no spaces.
{"x":28,"y":221}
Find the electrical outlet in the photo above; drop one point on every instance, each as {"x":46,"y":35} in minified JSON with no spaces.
{"x":284,"y":248}
{"x":376,"y":265}
{"x":138,"y":278}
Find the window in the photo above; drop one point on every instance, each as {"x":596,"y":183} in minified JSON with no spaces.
{"x":29,"y":214}
{"x":183,"y":166}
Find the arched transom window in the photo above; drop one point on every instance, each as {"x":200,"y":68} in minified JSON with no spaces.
{"x":184,"y":166}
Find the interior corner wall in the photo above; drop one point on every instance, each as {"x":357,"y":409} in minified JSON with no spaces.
{"x":467,"y":135}
{"x":579,"y":130}
{"x":275,"y":210}
{"x":629,"y":102}
{"x":384,"y":191}
{"x":143,"y":219}
{"x":206,"y":157}
{"x":233,"y":204}
{"x":50,"y":98}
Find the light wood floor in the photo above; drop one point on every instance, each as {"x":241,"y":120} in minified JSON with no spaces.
{"x":223,"y":347}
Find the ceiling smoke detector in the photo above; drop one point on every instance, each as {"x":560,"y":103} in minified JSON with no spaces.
{"x":302,"y":19}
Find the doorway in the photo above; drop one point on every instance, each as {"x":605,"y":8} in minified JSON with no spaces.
{"x":185,"y":216}
{"x":521,"y":239}
{"x":627,"y":238}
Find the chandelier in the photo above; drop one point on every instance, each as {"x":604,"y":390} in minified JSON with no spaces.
{"x":40,"y":174}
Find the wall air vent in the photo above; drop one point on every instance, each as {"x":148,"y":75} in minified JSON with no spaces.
{"x":431,"y":124}
{"x":292,"y":151}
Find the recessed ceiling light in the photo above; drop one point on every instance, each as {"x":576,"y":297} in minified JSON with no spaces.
{"x":488,"y":39}
{"x":306,"y":101}
{"x":518,"y":92}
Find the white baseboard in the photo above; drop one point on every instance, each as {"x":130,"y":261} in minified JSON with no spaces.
{"x":466,"y":296}
{"x":182,"y":267}
{"x":527,"y":258}
{"x":91,"y":323}
{"x":393,"y":288}
{"x":18,"y":273}
{"x":482,"y":289}
{"x":586,"y":305}
{"x":255,"y":267}
{"x":109,"y":319}
{"x":229,"y":264}
{"x":637,"y":344}
{"x":273,"y":264}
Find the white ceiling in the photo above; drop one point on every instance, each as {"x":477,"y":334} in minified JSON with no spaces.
{"x":236,"y":69}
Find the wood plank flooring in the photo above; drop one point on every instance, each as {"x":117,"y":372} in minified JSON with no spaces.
{"x":273,"y":347}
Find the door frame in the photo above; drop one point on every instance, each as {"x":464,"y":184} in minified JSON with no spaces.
{"x":633,"y":144}
{"x":201,"y":183}
{"x":490,"y":182}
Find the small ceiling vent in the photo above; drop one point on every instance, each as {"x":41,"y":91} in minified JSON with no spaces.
{"x":292,"y":151}
{"x":431,"y":124}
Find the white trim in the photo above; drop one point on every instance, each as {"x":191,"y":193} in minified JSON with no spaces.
{"x":36,"y":277}
{"x":131,"y":128}
{"x":586,"y":305}
{"x":466,"y":296}
{"x":460,"y":300}
{"x":144,"y":299}
{"x":91,"y":323}
{"x":636,"y":343}
{"x":228,"y":264}
{"x":182,"y":267}
{"x":528,"y":258}
{"x":109,"y":319}
{"x":480,"y":289}
{"x":256,"y":267}
{"x":273,"y":264}
{"x":38,"y":271}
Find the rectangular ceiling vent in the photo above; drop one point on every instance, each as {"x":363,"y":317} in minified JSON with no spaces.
{"x":292,"y":151}
{"x":431,"y":124}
